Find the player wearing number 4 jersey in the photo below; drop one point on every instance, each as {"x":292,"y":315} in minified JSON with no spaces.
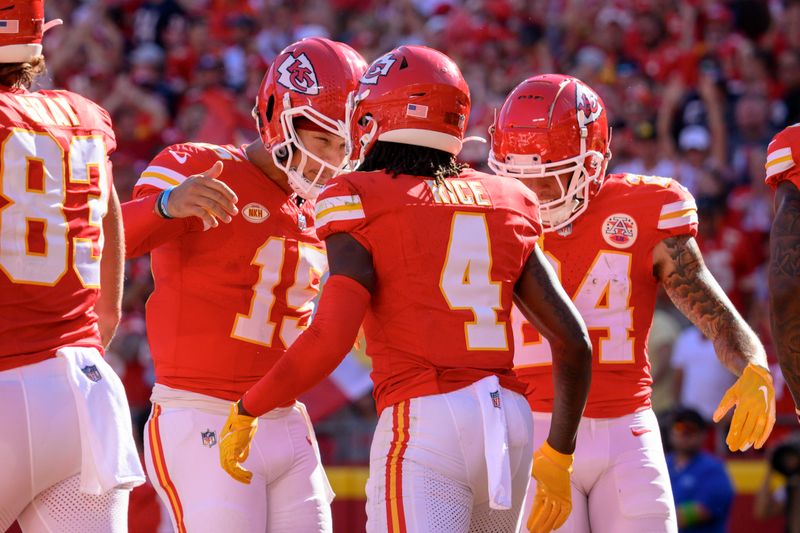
{"x":433,"y":255}
{"x":612,"y":239}
{"x":69,"y":459}
{"x":230,"y":297}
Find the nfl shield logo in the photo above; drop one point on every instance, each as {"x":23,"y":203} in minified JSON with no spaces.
{"x":209,"y":438}
{"x":566,"y":231}
{"x":495,"y":399}
{"x":92,"y":373}
{"x":301,"y":222}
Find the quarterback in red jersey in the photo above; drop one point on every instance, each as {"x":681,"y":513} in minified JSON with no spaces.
{"x":612,"y":239}
{"x":433,"y":254}
{"x":230,"y":297}
{"x":783,"y":175}
{"x":69,"y":458}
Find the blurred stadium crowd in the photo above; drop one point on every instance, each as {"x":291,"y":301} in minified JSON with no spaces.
{"x":695,"y":89}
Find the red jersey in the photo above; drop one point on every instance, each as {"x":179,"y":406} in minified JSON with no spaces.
{"x":229,"y":300}
{"x":446,"y":258}
{"x":55,"y":181}
{"x":783,"y":157}
{"x":605,"y":263}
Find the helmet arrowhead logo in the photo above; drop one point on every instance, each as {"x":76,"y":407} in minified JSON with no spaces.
{"x":587,"y":105}
{"x":297,"y":74}
{"x":379,"y":67}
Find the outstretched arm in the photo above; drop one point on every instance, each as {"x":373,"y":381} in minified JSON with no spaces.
{"x":679,"y":266}
{"x":332,"y":333}
{"x":542,"y":300}
{"x":200,"y":195}
{"x":784,"y":284}
{"x":314,"y":354}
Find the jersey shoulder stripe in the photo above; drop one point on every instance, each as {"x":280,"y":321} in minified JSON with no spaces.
{"x":676,"y":214}
{"x":778,"y":161}
{"x":333,"y":208}
{"x":160,"y":177}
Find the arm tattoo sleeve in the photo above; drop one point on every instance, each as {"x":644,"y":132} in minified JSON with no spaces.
{"x":696,"y":293}
{"x":784,"y":286}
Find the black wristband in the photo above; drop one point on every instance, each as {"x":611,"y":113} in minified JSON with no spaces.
{"x":161,"y":201}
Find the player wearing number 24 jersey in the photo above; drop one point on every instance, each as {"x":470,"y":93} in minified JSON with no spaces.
{"x":234,"y":287}
{"x":432,"y":255}
{"x":69,"y":459}
{"x":612,"y":239}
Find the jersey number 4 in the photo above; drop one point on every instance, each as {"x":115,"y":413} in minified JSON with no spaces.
{"x":34,"y":228}
{"x":466,"y":282}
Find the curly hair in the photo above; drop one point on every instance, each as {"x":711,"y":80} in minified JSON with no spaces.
{"x":396,"y":158}
{"x":21,"y":74}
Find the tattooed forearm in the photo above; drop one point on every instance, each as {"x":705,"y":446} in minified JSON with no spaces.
{"x":784,"y":285}
{"x":696,"y":293}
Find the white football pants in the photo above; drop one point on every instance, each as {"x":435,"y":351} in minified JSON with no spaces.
{"x":432,"y":463}
{"x":620,"y":482}
{"x":289,"y":491}
{"x":41,"y":457}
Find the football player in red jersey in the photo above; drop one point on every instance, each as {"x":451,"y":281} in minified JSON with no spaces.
{"x":69,"y":459}
{"x":230,"y":298}
{"x":613,"y":239}
{"x":432,"y":253}
{"x":783,"y":174}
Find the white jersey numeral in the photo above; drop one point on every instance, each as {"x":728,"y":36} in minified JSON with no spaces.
{"x":603,"y":300}
{"x":257,"y":326}
{"x":33,"y":180}
{"x":466,"y":282}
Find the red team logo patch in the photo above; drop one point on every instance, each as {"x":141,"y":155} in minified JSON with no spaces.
{"x":297,"y":74}
{"x":619,"y":230}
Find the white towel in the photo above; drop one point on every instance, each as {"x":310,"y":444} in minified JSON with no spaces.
{"x":108,"y":453}
{"x":495,"y":441}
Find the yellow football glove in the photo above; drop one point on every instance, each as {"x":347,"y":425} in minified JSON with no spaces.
{"x":754,"y":397}
{"x":553,"y":501}
{"x":234,"y":445}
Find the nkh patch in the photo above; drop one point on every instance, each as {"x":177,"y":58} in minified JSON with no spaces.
{"x":255,"y":213}
{"x":92,"y":373}
{"x":208,"y":437}
{"x":495,"y":396}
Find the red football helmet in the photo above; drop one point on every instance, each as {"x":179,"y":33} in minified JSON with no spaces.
{"x":412,"y":95}
{"x":21,"y":30}
{"x":548,"y":126}
{"x":308,"y":82}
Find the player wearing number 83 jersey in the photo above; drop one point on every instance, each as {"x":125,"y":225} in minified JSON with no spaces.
{"x":612,"y":239}
{"x":234,"y":287}
{"x":69,"y":459}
